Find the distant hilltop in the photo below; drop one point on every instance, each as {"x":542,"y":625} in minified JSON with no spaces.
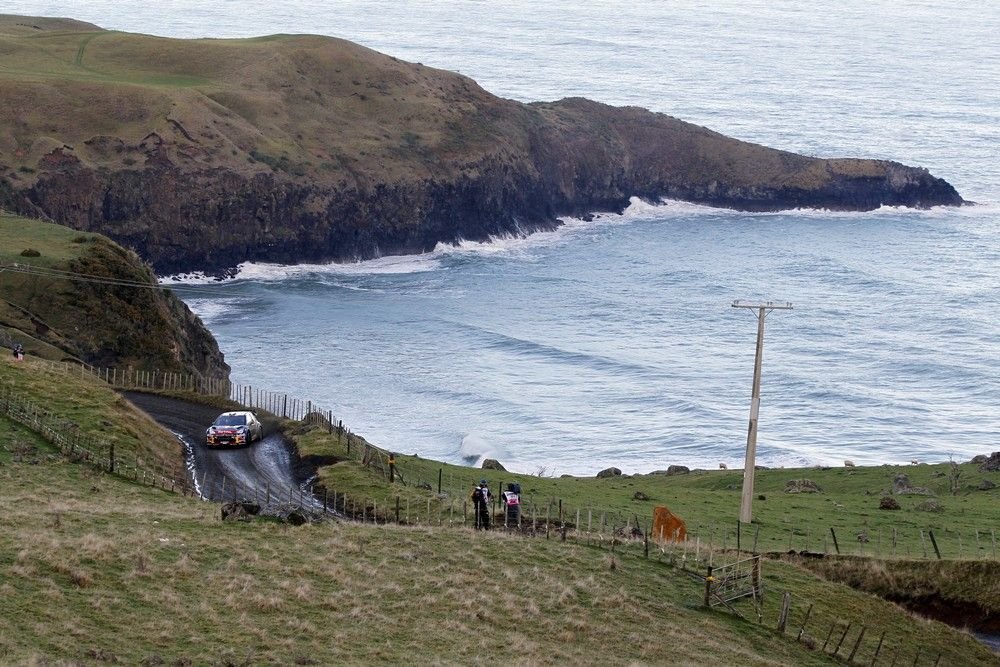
{"x":201,"y":154}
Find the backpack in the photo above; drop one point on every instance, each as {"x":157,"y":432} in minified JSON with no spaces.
{"x":477,"y":495}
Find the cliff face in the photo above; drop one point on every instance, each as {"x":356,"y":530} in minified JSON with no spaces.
{"x":286,"y":149}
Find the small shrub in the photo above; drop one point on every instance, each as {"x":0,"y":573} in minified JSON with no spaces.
{"x":30,"y":252}
{"x":80,"y":239}
{"x":888,"y":503}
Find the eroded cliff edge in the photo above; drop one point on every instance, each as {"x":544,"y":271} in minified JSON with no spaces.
{"x":201,"y":154}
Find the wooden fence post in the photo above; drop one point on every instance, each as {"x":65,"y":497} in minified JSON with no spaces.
{"x":878,"y":649}
{"x":835,"y":545}
{"x":786,"y":605}
{"x":857,"y":643}
{"x":934,"y":543}
{"x":828,"y":635}
{"x":708,"y":586}
{"x":802,"y":628}
{"x":842,"y":637}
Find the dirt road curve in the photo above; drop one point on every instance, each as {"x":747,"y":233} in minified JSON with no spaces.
{"x":267,"y":471}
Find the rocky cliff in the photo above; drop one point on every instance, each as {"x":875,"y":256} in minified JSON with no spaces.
{"x":201,"y":154}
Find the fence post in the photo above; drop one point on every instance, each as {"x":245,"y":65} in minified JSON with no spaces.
{"x":802,"y":628}
{"x":708,"y":585}
{"x":111,"y":457}
{"x":934,"y":543}
{"x":786,"y":604}
{"x":842,"y":637}
{"x":835,"y":545}
{"x":828,"y":635}
{"x":857,"y":643}
{"x":397,"y":510}
{"x":878,"y":649}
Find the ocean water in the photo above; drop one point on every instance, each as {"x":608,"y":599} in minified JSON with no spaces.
{"x":613,"y":341}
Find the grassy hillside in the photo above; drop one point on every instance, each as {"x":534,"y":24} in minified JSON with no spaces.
{"x":95,"y":411}
{"x":205,"y":153}
{"x":93,"y":321}
{"x":848,"y":501}
{"x":81,"y":551}
{"x":297,"y":104}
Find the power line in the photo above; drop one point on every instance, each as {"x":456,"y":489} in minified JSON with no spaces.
{"x":59,"y":274}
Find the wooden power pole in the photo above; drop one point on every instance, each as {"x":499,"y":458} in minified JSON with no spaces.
{"x":762,"y":310}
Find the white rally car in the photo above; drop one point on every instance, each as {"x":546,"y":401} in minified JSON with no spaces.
{"x":234,"y":428}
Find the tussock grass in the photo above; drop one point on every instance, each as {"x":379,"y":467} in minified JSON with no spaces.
{"x":193,"y":588}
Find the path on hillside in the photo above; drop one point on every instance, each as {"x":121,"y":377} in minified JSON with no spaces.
{"x":268,"y":471}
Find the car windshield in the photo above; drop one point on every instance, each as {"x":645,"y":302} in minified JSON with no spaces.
{"x":231,"y":420}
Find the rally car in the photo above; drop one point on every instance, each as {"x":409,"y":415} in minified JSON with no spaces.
{"x":234,"y":428}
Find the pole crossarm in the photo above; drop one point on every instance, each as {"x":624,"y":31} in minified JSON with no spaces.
{"x":762,"y":309}
{"x":765,"y":307}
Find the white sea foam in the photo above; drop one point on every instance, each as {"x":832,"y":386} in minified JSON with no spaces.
{"x":192,"y":278}
{"x":396,"y":264}
{"x":476,"y":448}
{"x":522,"y":244}
{"x":209,"y":309}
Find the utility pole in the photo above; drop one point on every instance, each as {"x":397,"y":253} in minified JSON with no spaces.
{"x":762,"y":310}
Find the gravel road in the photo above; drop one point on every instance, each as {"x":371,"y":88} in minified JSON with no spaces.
{"x":267,"y":471}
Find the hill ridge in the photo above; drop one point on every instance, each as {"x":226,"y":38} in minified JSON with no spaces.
{"x":201,"y":154}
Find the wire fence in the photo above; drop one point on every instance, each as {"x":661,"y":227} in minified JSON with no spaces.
{"x":278,"y":404}
{"x":83,"y":448}
{"x":537,"y":515}
{"x":706,"y":554}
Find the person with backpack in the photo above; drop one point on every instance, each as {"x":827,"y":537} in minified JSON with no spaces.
{"x":512,"y":504}
{"x":481,"y":499}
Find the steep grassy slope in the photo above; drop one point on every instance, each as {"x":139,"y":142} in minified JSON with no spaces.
{"x":100,"y":323}
{"x":204,"y":153}
{"x":81,"y":552}
{"x":94,"y":412}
